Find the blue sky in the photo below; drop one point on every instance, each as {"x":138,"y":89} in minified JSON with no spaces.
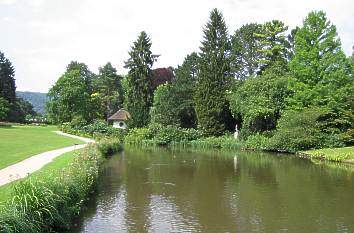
{"x":41,"y":37}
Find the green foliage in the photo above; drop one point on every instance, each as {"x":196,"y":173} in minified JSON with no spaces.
{"x":109,"y":146}
{"x":301,"y":130}
{"x":333,"y":154}
{"x":173,"y":105}
{"x":223,"y":142}
{"x":214,"y":77}
{"x":136,"y":136}
{"x":20,"y":109}
{"x":165,"y":135}
{"x":245,"y":53}
{"x":7,"y":80}
{"x":322,"y":75}
{"x":161,"y":135}
{"x":108,"y":89}
{"x":96,"y":129}
{"x":273,"y":44}
{"x":165,"y":109}
{"x":257,"y":142}
{"x":259,"y":101}
{"x":139,"y":93}
{"x":71,"y":95}
{"x":4,"y":108}
{"x":48,"y":206}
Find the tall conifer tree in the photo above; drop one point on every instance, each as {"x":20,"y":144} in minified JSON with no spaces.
{"x":139,"y":94}
{"x":214,"y":77}
{"x":7,"y":80}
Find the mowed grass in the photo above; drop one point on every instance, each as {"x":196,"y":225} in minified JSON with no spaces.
{"x":20,"y":142}
{"x":334,"y":154}
{"x":49,"y":171}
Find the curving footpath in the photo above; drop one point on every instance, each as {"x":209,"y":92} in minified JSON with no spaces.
{"x":36,"y":162}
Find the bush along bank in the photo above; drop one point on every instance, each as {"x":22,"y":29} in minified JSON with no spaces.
{"x":280,"y":141}
{"x":289,"y":137}
{"x":49,"y":205}
{"x":96,"y":129}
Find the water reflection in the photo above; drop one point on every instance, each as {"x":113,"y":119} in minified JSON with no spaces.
{"x":171,"y":191}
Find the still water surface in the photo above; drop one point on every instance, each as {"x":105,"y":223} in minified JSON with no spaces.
{"x":170,"y":191}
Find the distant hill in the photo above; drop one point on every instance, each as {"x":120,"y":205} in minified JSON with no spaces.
{"x":37,"y":99}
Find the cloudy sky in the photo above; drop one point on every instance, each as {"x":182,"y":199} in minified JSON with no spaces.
{"x":41,"y":37}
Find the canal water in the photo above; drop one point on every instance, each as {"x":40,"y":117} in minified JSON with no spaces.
{"x":180,"y":191}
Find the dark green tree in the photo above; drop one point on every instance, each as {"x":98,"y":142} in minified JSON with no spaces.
{"x":214,"y":77}
{"x":71,"y":95}
{"x":245,"y":53}
{"x":4,"y":108}
{"x":20,"y":110}
{"x":108,"y":89}
{"x":139,"y":93}
{"x":273,"y":43}
{"x":7,"y":80}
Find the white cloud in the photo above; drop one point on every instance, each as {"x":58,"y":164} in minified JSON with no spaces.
{"x":7,"y":2}
{"x":42,"y":37}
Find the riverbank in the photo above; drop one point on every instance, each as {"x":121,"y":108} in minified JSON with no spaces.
{"x":48,"y":199}
{"x":344,"y":154}
{"x":176,"y":137}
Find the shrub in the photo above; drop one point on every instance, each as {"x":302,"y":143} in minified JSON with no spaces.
{"x":97,"y":129}
{"x":168,"y":134}
{"x":298,"y":130}
{"x":136,"y":136}
{"x":109,"y":146}
{"x":256,"y":142}
{"x":224,"y":142}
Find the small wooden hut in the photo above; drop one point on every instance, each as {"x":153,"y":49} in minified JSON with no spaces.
{"x":119,"y":119}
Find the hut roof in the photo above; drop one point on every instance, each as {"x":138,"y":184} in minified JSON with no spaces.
{"x":120,"y":115}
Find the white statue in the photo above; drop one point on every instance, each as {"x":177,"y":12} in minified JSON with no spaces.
{"x":236,"y":132}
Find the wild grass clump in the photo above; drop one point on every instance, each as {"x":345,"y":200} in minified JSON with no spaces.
{"x":109,"y":146}
{"x":223,"y":142}
{"x":49,"y":205}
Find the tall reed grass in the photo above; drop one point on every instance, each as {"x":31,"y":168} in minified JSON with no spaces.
{"x":48,"y":205}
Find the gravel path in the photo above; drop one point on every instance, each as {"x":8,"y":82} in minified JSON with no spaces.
{"x":36,"y":162}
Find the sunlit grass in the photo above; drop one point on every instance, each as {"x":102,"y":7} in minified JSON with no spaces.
{"x":50,"y":171}
{"x":334,"y":154}
{"x":20,"y":142}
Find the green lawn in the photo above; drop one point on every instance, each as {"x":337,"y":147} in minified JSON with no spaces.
{"x":20,"y":142}
{"x":334,"y":154}
{"x":50,"y":170}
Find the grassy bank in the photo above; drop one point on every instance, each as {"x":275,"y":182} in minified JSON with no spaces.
{"x":20,"y":142}
{"x":48,"y":203}
{"x":47,"y":200}
{"x":49,"y":171}
{"x":333,"y":154}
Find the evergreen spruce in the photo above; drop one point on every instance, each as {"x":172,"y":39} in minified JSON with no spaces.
{"x":7,"y":80}
{"x":214,"y":77}
{"x":139,"y":94}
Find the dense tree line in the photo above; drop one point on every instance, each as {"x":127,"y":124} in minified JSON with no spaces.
{"x":294,"y":89}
